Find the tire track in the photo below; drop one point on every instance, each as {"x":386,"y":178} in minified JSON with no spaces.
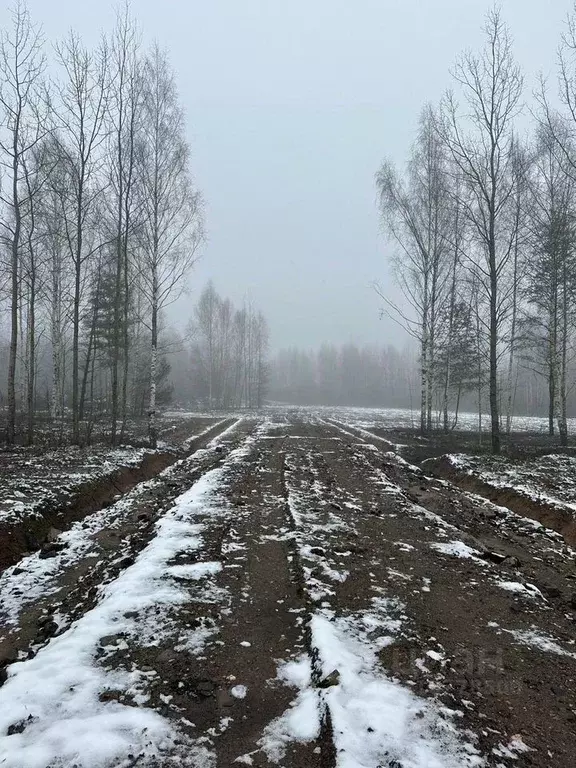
{"x":96,"y":665}
{"x":495,"y":598}
{"x":353,"y":615}
{"x":41,"y":598}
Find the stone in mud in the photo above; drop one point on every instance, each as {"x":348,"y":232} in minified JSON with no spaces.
{"x":109,"y":640}
{"x":330,"y":680}
{"x":51,"y":549}
{"x":18,"y":727}
{"x":53,"y":534}
{"x":47,"y":630}
{"x":494,"y":557}
{"x":109,"y":695}
{"x":205,"y":688}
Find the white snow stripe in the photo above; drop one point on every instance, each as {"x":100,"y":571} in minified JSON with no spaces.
{"x":55,"y":695}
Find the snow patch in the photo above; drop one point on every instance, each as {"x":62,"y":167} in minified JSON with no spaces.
{"x":457,"y":549}
{"x":57,"y":694}
{"x":538,"y":639}
{"x":515,"y":586}
{"x":376,"y":720}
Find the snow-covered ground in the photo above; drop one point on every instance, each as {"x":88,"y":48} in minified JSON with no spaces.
{"x":51,"y":707}
{"x":373,"y":717}
{"x":370,"y":581}
{"x":31,"y":481}
{"x":36,"y":576}
{"x":381,"y":418}
{"x":549,"y":480}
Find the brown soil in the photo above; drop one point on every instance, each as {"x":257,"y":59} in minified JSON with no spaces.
{"x":305,"y":502}
{"x":553,"y":517}
{"x":509,"y":685}
{"x":113,"y":549}
{"x":31,"y":533}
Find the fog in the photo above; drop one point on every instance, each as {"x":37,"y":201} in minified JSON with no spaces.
{"x":287,"y":376}
{"x":290,"y":109}
{"x":207,"y":208}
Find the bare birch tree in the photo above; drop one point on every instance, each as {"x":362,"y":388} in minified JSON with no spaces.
{"x":550,"y":287}
{"x":481,"y":142}
{"x":229,"y":352}
{"x":203,"y":327}
{"x":416,"y":214}
{"x":22,"y":65}
{"x":171,"y":226}
{"x":37,"y":167}
{"x":81,"y":112}
{"x":124,"y":108}
{"x":518,"y":237}
{"x":58,"y":283}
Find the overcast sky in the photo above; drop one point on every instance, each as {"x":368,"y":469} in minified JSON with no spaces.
{"x":291,"y":106}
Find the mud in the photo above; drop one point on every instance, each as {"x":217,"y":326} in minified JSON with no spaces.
{"x":321,"y":519}
{"x":36,"y":532}
{"x":559,"y":520}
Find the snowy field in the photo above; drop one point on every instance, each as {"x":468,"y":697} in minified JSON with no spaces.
{"x":382,"y":418}
{"x":33,"y":481}
{"x":398,"y":418}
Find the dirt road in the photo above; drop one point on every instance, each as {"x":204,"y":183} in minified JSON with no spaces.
{"x":295,"y":594}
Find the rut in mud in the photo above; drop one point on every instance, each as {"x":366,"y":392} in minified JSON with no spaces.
{"x":59,"y":512}
{"x":293,"y":593}
{"x":550,"y":515}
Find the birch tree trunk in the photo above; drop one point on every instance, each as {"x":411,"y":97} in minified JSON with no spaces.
{"x":171,"y":223}
{"x":152,"y":424}
{"x":511,"y":353}
{"x":482,"y":145}
{"x":22,"y":67}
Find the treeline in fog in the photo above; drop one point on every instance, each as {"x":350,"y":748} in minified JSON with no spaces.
{"x":228,"y":354}
{"x":346,"y":375}
{"x":99,"y":224}
{"x":385,"y":377}
{"x":483,"y":219}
